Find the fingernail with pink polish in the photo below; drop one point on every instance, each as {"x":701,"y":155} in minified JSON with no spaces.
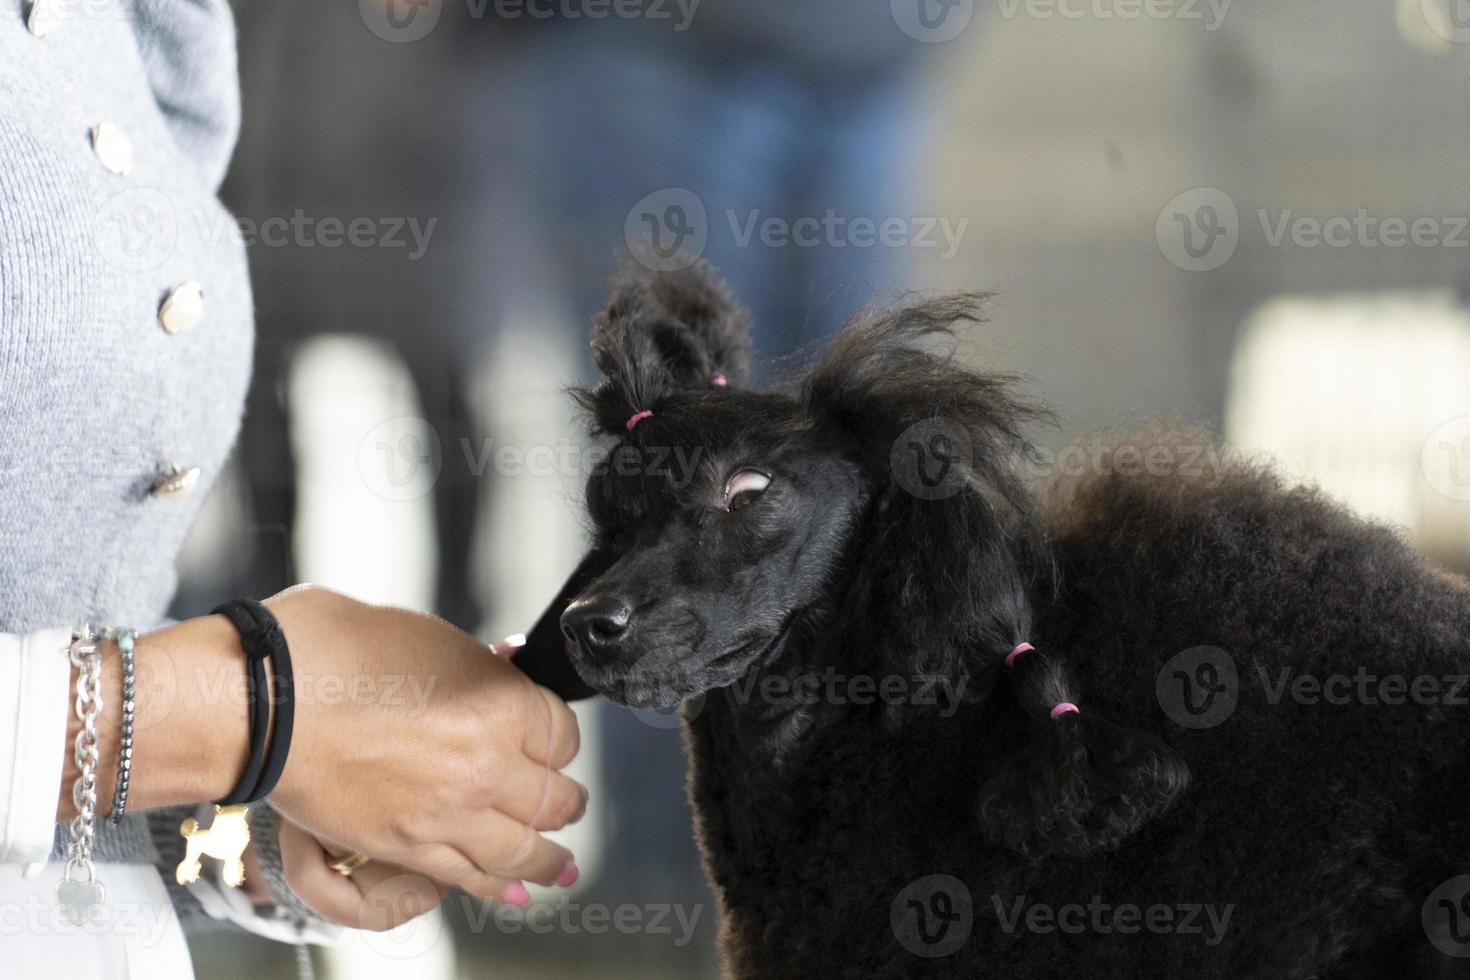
{"x":516,"y":894}
{"x":510,"y":646}
{"x":568,"y":876}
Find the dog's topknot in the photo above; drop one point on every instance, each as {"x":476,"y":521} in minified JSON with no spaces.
{"x":664,"y":332}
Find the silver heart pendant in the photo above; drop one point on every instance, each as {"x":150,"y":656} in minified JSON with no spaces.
{"x":79,"y":900}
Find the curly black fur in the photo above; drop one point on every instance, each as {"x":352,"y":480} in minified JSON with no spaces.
{"x":661,"y":334}
{"x":1315,"y":831}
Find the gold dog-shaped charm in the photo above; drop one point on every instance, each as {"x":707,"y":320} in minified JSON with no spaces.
{"x":225,"y":839}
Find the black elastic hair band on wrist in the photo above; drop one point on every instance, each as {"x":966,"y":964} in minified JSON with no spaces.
{"x":258,"y":703}
{"x":262,"y":640}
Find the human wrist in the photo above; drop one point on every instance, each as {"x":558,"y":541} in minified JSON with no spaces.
{"x":191,"y":737}
{"x":108,"y":732}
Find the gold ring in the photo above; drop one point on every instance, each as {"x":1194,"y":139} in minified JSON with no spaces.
{"x":346,"y":865}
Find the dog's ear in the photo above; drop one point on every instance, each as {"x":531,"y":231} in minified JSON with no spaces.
{"x":1083,"y":785}
{"x":544,"y":658}
{"x":953,"y":519}
{"x":664,"y":332}
{"x":954,"y":548}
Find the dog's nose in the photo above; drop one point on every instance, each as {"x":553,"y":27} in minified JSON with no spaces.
{"x":597,"y":622}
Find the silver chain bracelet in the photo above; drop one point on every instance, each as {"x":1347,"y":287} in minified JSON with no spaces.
{"x":79,"y":893}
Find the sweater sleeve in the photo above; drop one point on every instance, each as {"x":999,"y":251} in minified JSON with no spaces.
{"x":188,"y":52}
{"x":35,"y":681}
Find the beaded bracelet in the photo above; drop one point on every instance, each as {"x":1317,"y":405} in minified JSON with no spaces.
{"x":126,"y":642}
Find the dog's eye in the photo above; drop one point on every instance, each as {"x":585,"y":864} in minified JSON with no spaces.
{"x":742,"y":488}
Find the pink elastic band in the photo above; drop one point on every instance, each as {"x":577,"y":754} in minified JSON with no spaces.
{"x":718,"y":380}
{"x":1020,"y":649}
{"x":638,"y":417}
{"x":1064,"y":708}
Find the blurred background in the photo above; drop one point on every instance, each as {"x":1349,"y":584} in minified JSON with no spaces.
{"x":1247,"y":216}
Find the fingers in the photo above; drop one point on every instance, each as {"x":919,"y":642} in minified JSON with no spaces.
{"x":376,"y":896}
{"x":505,"y":848}
{"x":307,"y":874}
{"x":390,"y":895}
{"x":534,"y":794}
{"x":455,"y":866}
{"x":552,"y":737}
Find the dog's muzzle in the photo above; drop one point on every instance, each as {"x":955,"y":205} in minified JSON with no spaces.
{"x":598,"y":624}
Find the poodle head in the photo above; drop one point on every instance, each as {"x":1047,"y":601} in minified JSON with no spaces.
{"x":729,"y":520}
{"x":721,"y":515}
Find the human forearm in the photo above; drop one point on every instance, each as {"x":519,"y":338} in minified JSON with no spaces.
{"x":191,"y":730}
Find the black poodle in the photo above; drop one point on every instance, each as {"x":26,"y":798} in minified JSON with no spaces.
{"x":1169,"y":718}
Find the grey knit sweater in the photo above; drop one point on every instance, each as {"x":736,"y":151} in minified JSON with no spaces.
{"x":110,"y":375}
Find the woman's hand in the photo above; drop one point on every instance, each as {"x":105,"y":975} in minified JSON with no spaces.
{"x":376,"y":896}
{"x":446,"y":765}
{"x":414,"y":744}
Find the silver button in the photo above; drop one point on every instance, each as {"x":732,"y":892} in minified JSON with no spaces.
{"x":176,"y":482}
{"x":183,"y":309}
{"x":44,"y":18}
{"x":113,"y":148}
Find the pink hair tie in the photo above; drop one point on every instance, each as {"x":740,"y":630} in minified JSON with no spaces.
{"x":1064,"y":708}
{"x":718,"y":380}
{"x":1020,"y":649}
{"x":638,"y":417}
